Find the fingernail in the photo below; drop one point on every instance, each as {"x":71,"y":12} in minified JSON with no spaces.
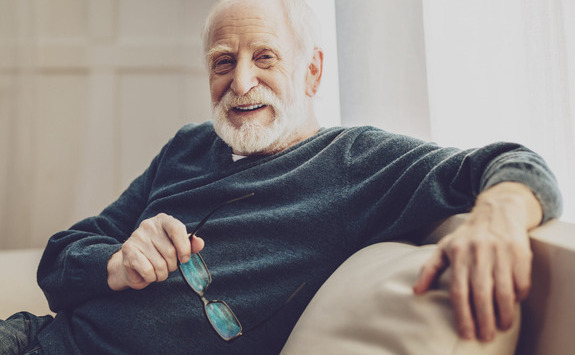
{"x":468,"y":335}
{"x":490,"y":336}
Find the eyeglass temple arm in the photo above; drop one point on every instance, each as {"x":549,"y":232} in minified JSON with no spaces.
{"x":203,"y":221}
{"x":277,"y":310}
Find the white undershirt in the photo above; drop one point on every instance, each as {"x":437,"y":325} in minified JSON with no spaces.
{"x":236,"y":157}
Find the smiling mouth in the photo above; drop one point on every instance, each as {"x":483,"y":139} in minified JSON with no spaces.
{"x":249,"y":108}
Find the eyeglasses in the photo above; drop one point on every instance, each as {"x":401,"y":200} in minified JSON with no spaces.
{"x":219,"y":314}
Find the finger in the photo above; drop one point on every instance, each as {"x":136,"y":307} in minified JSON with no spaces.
{"x":162,"y":266}
{"x":166,"y":251}
{"x":522,"y":274}
{"x":459,"y":294}
{"x":140,"y":262}
{"x":159,"y":265}
{"x":482,"y":295}
{"x":179,"y":237}
{"x":430,"y":271}
{"x":504,"y":294}
{"x":153,"y":243}
{"x":134,"y":280}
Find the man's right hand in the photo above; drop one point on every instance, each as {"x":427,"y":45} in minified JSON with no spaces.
{"x":151,"y":253}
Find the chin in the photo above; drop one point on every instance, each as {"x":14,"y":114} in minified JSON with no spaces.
{"x":253,"y":138}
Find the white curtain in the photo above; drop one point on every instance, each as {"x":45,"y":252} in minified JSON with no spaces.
{"x":381,"y":53}
{"x":494,"y":70}
{"x":505,"y":70}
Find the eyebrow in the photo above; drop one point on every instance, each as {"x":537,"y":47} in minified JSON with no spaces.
{"x":222,"y":49}
{"x":259,"y":46}
{"x":218,"y":50}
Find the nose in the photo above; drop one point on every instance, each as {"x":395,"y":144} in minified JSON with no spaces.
{"x":244,"y":78}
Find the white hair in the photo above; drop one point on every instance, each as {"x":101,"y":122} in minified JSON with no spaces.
{"x":301,"y":19}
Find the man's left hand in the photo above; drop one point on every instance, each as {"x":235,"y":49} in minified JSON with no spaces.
{"x":490,"y":260}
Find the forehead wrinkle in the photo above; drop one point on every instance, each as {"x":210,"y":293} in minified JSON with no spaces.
{"x":233,"y":38}
{"x":232,"y":24}
{"x":228,"y":27}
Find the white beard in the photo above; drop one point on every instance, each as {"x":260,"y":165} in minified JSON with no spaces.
{"x":252,"y":137}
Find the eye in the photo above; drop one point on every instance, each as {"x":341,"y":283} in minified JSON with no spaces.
{"x":222,"y":65}
{"x":266,"y":59}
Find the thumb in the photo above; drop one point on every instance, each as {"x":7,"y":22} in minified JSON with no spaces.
{"x":430,"y":271}
{"x":197,"y":244}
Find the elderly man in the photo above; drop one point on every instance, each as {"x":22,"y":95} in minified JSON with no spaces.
{"x":300,"y":200}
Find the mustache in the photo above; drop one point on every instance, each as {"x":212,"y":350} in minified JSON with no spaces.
{"x":257,"y":95}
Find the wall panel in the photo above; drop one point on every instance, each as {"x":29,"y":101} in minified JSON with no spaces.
{"x":57,"y":145}
{"x":60,"y":19}
{"x":90,"y":90}
{"x":151,"y":112}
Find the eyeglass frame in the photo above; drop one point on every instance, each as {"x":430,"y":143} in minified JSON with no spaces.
{"x":201,"y":294}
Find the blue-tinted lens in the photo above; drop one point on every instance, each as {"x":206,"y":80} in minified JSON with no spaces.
{"x":223,"y":319}
{"x":196,"y":273}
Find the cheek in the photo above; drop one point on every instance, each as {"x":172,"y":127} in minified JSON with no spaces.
{"x":218,"y":87}
{"x":287,"y":90}
{"x":293,"y":80}
{"x":280,"y":83}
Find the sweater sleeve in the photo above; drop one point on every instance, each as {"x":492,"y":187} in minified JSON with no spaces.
{"x":529,"y":169}
{"x":73,"y":268}
{"x":401,"y":185}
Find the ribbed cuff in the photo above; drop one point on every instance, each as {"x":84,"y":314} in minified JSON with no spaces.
{"x":529,"y":169}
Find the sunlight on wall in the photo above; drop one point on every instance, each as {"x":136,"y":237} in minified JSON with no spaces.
{"x":327,"y":100}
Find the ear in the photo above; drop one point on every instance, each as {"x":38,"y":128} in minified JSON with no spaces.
{"x":314,"y":72}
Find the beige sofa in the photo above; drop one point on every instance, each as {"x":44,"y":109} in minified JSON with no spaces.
{"x":367,"y":306}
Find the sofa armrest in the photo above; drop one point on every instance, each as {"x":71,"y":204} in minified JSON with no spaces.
{"x":20,"y":291}
{"x":548,"y":312}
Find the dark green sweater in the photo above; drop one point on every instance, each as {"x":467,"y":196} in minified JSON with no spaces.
{"x":314,"y":205}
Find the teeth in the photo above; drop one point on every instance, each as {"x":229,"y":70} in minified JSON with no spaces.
{"x":249,"y":108}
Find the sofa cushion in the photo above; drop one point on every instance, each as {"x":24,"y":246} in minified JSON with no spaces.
{"x":368,"y":307}
{"x":20,"y":291}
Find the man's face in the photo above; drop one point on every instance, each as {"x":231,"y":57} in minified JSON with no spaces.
{"x":257,"y":88}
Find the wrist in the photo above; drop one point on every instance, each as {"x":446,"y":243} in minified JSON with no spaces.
{"x":514,"y":200}
{"x":114,"y":268}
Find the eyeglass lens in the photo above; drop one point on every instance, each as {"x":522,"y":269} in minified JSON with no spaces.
{"x":219,"y":313}
{"x":196,"y":274}
{"x":223,"y":319}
